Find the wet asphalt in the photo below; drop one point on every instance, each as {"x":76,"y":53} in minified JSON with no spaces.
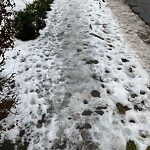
{"x":142,"y":8}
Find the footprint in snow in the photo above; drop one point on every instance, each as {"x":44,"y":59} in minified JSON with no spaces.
{"x":84,"y":126}
{"x":95,"y":93}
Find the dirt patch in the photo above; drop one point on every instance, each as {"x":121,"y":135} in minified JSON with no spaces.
{"x":148,"y":148}
{"x":122,"y":109}
{"x":92,"y":62}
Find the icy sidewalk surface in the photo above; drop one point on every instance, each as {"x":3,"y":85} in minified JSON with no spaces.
{"x":80,"y":88}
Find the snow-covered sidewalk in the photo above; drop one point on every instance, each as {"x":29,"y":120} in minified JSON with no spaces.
{"x":79,"y":86}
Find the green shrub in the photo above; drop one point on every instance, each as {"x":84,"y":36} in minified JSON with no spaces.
{"x":29,"y":21}
{"x":7,"y":82}
{"x":6,"y":30}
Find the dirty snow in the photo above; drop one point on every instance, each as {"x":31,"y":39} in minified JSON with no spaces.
{"x":136,"y":32}
{"x":70,"y":79}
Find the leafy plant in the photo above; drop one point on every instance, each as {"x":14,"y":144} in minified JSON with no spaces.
{"x":6,"y":34}
{"x":29,"y":21}
{"x":6,"y":30}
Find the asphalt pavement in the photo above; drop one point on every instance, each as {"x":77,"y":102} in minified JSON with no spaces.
{"x":142,"y":8}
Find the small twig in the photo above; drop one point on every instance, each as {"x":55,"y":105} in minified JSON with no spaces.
{"x":100,"y":6}
{"x":90,"y":26}
{"x":93,"y":34}
{"x":13,"y":112}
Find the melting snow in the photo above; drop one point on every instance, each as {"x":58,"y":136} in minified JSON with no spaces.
{"x":70,"y":80}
